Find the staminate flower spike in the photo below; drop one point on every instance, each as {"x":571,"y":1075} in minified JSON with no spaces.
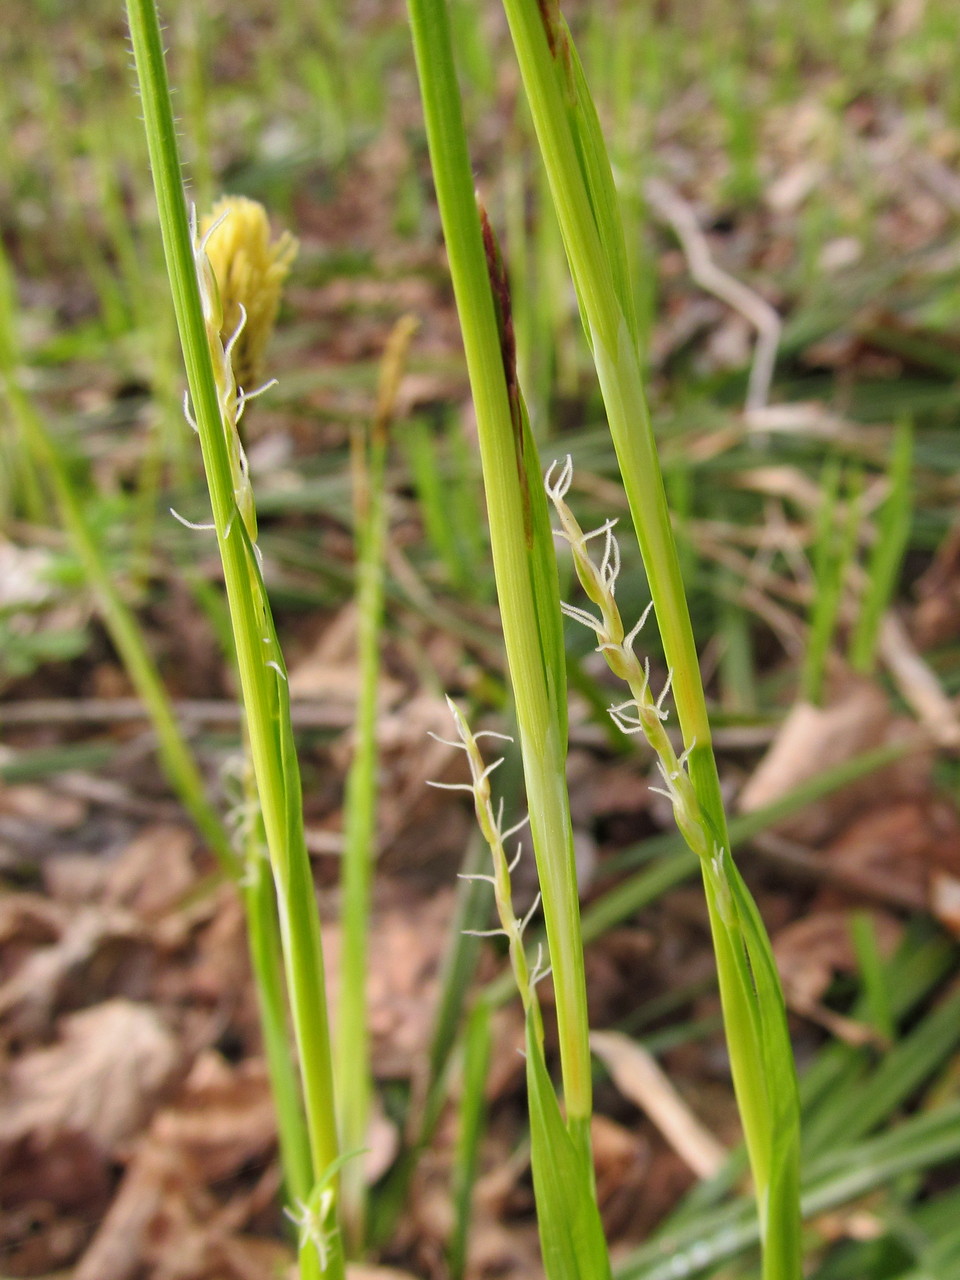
{"x":250,"y":268}
{"x":241,"y":272}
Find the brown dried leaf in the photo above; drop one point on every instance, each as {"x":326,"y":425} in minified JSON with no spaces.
{"x":407,"y":940}
{"x":66,"y":1112}
{"x":814,"y":739}
{"x":42,"y":806}
{"x":27,"y":921}
{"x":223,"y":1119}
{"x":409,"y":759}
{"x":40,"y":1236}
{"x":75,"y":877}
{"x":330,"y":671}
{"x":810,"y":952}
{"x":621,"y":1158}
{"x":154,"y":872}
{"x":903,"y":842}
{"x":54,"y":1188}
{"x":101,"y":1079}
{"x":638,"y":1076}
{"x":96,"y":953}
{"x":221,"y":1124}
{"x":382,"y":1143}
{"x":165,"y":1219}
{"x":936,"y":620}
{"x":945,"y":901}
{"x":614,"y":789}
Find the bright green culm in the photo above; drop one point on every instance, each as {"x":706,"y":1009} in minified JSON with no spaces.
{"x":581,"y":183}
{"x":225,"y":286}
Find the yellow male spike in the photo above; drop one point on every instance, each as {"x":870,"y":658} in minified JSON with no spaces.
{"x":250,"y":269}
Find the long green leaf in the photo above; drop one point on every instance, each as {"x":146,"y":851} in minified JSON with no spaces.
{"x":584,"y":197}
{"x":571,"y":1233}
{"x":524,"y":575}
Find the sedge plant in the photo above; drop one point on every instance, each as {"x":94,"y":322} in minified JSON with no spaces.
{"x":527,"y":587}
{"x":237,"y":850}
{"x":213,"y":358}
{"x":581,"y":182}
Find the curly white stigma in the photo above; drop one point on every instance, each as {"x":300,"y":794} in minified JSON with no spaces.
{"x":312,"y":1219}
{"x":642,"y":712}
{"x":490,"y":821}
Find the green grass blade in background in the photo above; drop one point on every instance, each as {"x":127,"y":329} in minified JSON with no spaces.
{"x":833,"y":554}
{"x":352,"y":1057}
{"x":866,"y":947}
{"x":716,"y":1236}
{"x":883,"y":566}
{"x":477,"y":1044}
{"x":39,"y":446}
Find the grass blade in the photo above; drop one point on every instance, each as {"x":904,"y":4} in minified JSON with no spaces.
{"x":522,"y":554}
{"x":581,"y":183}
{"x":353,"y":1071}
{"x":263,"y":678}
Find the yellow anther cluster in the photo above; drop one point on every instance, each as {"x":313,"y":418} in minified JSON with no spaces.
{"x":250,"y":269}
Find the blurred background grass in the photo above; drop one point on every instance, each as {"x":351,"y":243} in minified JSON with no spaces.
{"x":816,"y":146}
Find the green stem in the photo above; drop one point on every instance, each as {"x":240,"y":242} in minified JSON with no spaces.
{"x":267,"y":961}
{"x":581,"y":183}
{"x":260,"y":662}
{"x":538,"y":691}
{"x":353,"y":1074}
